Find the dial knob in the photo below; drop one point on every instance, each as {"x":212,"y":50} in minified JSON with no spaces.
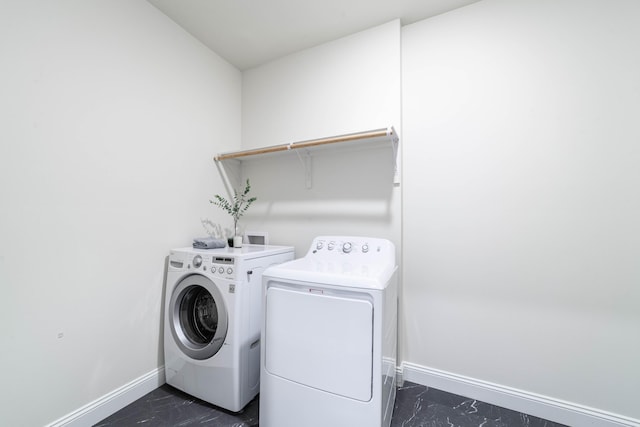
{"x":197,"y":261}
{"x":319,"y":245}
{"x":346,"y":247}
{"x":221,"y":270}
{"x":331,"y":245}
{"x":229,"y":270}
{"x":365,"y":248}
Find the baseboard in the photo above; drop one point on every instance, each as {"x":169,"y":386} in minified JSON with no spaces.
{"x":545,"y":407}
{"x":106,"y":405}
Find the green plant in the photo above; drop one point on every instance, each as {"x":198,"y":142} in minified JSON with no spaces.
{"x":238,"y":206}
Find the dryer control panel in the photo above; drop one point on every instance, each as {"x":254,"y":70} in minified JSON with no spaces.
{"x":356,"y":249}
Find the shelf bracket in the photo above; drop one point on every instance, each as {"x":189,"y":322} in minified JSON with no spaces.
{"x":396,"y":172}
{"x":305,"y":159}
{"x":231,"y":173}
{"x":307,"y":170}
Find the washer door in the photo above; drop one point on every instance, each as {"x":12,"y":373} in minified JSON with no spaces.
{"x":198,"y":317}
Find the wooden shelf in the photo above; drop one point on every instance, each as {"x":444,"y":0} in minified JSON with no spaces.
{"x":372,"y":136}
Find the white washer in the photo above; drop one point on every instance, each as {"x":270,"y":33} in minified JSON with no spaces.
{"x":329,"y":336}
{"x":212,"y":321}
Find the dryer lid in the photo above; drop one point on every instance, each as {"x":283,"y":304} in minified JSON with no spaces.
{"x":359,"y":262}
{"x":333,"y":273}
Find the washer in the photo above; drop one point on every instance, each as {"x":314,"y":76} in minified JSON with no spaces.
{"x":329,"y":336}
{"x":212,"y":321}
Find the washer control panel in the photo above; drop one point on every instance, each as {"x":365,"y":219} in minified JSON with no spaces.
{"x":222,"y":266}
{"x":218,"y":266}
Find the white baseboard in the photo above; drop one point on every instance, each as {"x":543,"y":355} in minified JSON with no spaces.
{"x":106,"y":405}
{"x":537,"y":405}
{"x":529,"y":403}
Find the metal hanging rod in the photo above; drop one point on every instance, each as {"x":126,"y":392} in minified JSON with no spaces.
{"x":378,"y":133}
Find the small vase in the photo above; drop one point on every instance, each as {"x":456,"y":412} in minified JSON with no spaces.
{"x":237,"y":238}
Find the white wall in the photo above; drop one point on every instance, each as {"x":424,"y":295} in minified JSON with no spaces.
{"x":110,"y":117}
{"x":521,"y":203}
{"x":349,"y":85}
{"x":519,"y":182}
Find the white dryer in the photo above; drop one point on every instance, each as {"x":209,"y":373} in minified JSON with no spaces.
{"x":329,"y":336}
{"x":212,"y":321}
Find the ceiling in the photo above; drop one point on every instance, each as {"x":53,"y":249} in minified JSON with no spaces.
{"x":248,"y":33}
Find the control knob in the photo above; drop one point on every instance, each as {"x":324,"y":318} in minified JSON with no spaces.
{"x":365,"y":248}
{"x":197,"y":261}
{"x":346,"y":247}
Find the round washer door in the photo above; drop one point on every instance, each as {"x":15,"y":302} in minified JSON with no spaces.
{"x":198,"y":317}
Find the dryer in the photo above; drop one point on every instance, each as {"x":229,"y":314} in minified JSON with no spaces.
{"x":329,"y":336}
{"x":212,"y":321}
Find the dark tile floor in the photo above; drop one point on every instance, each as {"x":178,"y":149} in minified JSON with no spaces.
{"x":416,"y":406}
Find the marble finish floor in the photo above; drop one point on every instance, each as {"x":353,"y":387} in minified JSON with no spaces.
{"x":416,"y":406}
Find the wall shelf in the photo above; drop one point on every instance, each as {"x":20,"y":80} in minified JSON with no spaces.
{"x":371,"y":138}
